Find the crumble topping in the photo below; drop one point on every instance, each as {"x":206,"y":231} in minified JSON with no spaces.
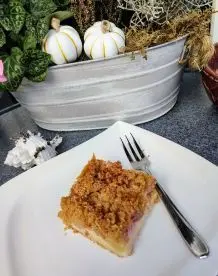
{"x":108,"y":199}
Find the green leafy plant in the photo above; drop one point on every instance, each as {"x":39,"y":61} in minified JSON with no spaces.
{"x":2,"y":37}
{"x":23,"y":25}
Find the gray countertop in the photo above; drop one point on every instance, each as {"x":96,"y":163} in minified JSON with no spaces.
{"x":192,"y":123}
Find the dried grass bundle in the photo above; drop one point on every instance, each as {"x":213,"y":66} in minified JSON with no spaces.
{"x":108,"y":9}
{"x":87,"y":12}
{"x":84,"y":13}
{"x":195,"y":24}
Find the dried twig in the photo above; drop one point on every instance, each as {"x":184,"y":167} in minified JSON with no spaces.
{"x":158,"y":11}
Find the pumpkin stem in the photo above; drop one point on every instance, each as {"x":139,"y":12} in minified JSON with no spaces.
{"x":55,"y":23}
{"x":105,"y":26}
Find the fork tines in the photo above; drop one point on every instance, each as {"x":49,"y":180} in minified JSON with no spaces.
{"x":137,"y":154}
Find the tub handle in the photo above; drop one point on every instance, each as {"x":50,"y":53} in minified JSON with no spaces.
{"x":184,"y":55}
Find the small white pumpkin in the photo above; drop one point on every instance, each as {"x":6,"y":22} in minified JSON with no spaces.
{"x":63,"y":43}
{"x":103,"y":40}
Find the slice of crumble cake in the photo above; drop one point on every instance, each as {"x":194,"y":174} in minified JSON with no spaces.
{"x":107,"y":204}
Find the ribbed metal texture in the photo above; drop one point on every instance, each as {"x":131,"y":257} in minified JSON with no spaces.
{"x":95,"y":94}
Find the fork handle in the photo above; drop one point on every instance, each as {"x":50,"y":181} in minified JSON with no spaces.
{"x":195,"y":243}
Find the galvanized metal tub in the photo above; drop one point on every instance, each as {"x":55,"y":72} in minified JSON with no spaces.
{"x":96,"y":93}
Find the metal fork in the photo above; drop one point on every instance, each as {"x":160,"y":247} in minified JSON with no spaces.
{"x":140,"y":162}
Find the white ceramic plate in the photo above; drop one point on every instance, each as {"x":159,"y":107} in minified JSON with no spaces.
{"x":32,"y":239}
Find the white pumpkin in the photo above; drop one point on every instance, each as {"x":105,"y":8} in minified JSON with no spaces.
{"x":103,"y":40}
{"x":63,"y":43}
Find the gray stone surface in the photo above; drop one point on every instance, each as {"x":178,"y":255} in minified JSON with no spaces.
{"x":192,"y":123}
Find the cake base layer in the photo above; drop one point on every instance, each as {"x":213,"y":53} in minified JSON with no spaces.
{"x":122,"y":249}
